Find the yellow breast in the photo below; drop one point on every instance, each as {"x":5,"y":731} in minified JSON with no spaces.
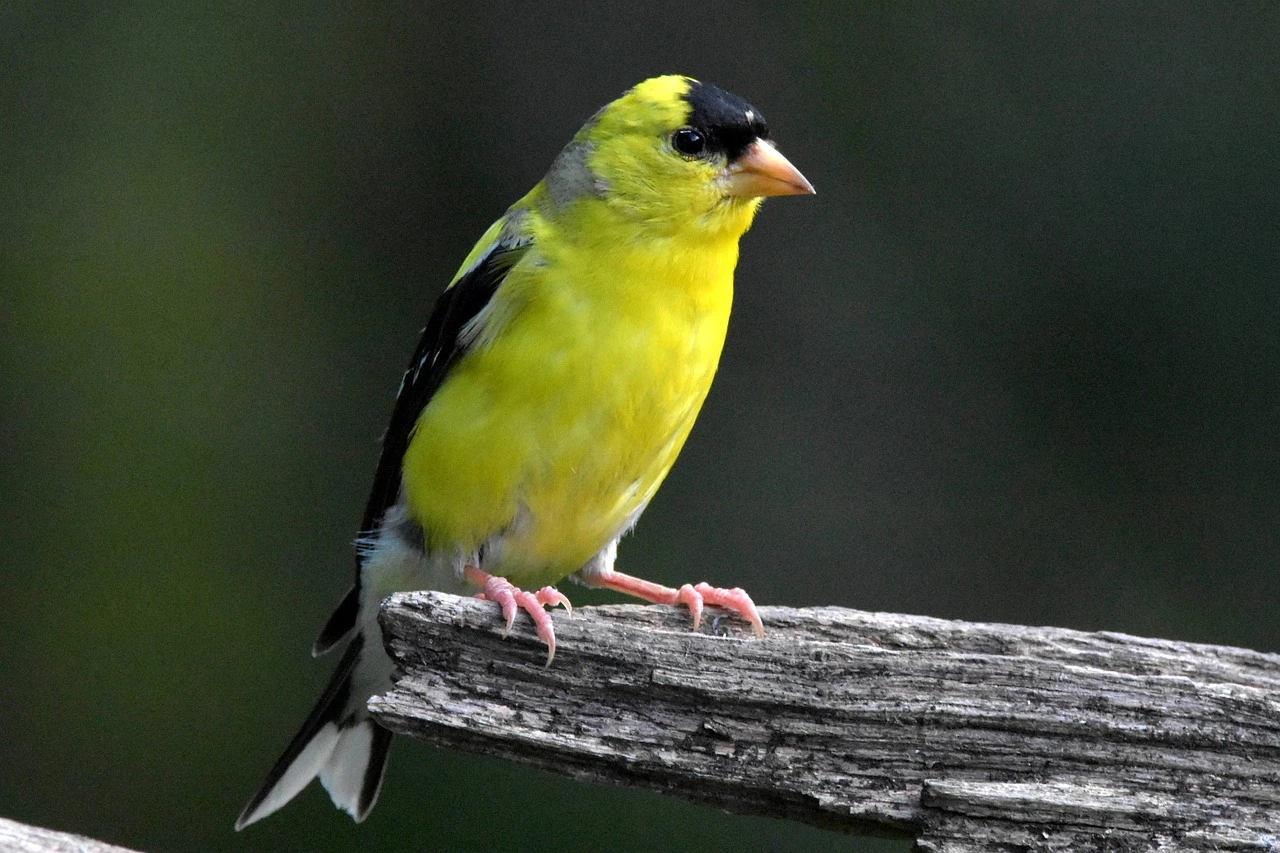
{"x":555,"y":430}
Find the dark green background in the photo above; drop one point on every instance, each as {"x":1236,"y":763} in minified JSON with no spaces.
{"x":1016,"y":361}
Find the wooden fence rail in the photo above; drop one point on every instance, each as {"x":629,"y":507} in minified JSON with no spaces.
{"x":963,"y":736}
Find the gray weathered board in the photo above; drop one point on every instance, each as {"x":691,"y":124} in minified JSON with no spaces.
{"x":20,"y":838}
{"x":963,"y":736}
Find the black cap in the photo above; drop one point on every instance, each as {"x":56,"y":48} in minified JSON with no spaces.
{"x":729,"y":123}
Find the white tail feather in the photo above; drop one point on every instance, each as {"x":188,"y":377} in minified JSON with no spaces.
{"x":343,"y":775}
{"x":304,"y":768}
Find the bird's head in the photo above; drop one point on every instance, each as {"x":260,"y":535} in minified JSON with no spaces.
{"x":675,"y":156}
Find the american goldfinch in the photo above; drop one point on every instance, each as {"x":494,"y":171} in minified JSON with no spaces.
{"x":556,"y":382}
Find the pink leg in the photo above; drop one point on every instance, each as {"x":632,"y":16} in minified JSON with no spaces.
{"x":695,"y":597}
{"x":511,"y":598}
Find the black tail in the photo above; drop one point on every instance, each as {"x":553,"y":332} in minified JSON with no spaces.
{"x":339,"y":624}
{"x":338,"y":742}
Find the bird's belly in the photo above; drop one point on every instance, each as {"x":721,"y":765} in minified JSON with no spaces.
{"x":542,"y":447}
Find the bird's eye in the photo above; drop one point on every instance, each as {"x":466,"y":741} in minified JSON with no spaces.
{"x":688,"y":141}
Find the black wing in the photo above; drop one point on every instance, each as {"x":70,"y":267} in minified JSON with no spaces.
{"x":438,"y":350}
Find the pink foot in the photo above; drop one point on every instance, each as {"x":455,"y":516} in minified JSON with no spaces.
{"x":511,"y":598}
{"x":694,"y":597}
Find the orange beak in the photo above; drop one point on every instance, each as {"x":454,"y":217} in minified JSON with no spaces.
{"x":762,"y":171}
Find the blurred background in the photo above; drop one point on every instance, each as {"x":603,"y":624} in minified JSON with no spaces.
{"x":1015,"y":362}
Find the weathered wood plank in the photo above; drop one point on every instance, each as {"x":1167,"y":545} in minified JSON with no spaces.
{"x":963,"y":736}
{"x":20,"y":838}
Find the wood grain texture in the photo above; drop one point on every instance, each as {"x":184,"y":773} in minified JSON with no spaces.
{"x":20,"y":838}
{"x":963,"y":736}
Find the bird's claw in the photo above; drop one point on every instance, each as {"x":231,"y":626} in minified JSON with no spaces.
{"x":690,"y":597}
{"x":511,"y":599}
{"x":549,"y":595}
{"x":735,"y":599}
{"x":693,"y":597}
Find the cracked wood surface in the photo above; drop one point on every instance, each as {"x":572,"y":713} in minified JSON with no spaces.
{"x":963,"y":736}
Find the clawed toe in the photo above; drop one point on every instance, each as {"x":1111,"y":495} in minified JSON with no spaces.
{"x":549,"y":595}
{"x":693,"y":597}
{"x":512,"y":599}
{"x":735,"y":599}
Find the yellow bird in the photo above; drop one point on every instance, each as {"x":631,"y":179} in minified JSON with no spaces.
{"x":557,"y":379}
